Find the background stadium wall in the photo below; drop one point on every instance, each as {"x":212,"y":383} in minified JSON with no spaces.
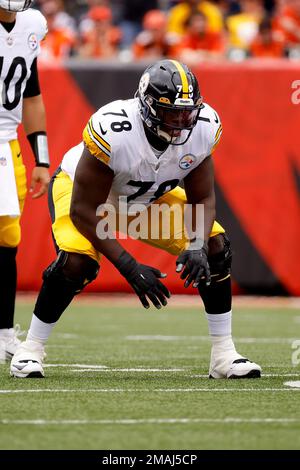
{"x":257,"y":168}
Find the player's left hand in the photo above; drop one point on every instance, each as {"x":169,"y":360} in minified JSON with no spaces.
{"x":41,"y":176}
{"x":195,"y":266}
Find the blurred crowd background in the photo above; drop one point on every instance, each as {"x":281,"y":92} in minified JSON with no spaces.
{"x":189,"y":30}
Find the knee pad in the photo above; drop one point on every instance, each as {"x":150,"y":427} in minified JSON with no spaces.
{"x":10,"y":233}
{"x":75,"y":271}
{"x":220,"y":263}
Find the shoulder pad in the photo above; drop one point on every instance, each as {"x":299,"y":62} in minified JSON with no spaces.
{"x":95,"y":138}
{"x":38,"y":22}
{"x":215,"y":129}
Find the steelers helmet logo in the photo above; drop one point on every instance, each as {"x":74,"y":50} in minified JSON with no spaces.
{"x":186,"y":161}
{"x":32,"y":42}
{"x":144,"y":82}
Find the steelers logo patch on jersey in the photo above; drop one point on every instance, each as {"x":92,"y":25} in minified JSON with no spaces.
{"x":186,"y":161}
{"x":32,"y":41}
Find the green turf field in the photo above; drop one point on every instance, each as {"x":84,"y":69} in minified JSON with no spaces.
{"x":127,"y":378}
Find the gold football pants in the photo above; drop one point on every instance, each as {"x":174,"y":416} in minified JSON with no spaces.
{"x":68,"y":238}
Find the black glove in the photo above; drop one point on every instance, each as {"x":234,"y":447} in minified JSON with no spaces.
{"x":195,"y":266}
{"x":144,"y":280}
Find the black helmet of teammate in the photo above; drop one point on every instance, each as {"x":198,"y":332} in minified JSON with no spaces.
{"x":170,"y":100}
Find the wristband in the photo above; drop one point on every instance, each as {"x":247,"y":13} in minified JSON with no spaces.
{"x":125,"y":263}
{"x":39,"y":145}
{"x":198,"y":244}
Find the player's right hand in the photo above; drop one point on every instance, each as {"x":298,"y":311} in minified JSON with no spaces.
{"x":40,"y":175}
{"x":144,"y":280}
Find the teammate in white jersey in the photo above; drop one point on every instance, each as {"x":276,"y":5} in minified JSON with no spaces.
{"x":21,"y":31}
{"x":140,"y":149}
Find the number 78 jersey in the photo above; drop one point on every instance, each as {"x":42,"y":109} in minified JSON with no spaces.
{"x":115,"y":135}
{"x":18,"y":49}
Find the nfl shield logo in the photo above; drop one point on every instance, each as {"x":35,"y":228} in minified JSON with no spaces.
{"x":10,"y":41}
{"x":3,"y":161}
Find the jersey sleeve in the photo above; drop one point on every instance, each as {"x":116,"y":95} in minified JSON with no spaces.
{"x":33,"y":85}
{"x":217,"y":138}
{"x":40,"y":22}
{"x":216,"y":131}
{"x":44,"y":28}
{"x":96,"y":141}
{"x":37,"y":24}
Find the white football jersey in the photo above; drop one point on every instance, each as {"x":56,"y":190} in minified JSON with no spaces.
{"x":115,"y":135}
{"x":18,"y":49}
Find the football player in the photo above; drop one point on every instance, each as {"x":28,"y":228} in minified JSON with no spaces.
{"x":21,"y":31}
{"x":140,"y":148}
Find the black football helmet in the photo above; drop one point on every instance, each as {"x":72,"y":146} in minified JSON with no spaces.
{"x":170,"y":100}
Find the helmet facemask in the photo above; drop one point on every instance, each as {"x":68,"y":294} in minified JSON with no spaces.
{"x":15,"y":5}
{"x":169,"y":122}
{"x":176,"y":119}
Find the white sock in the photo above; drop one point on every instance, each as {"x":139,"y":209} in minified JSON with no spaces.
{"x":39,"y":331}
{"x":220,"y":331}
{"x":3,"y":332}
{"x":220,"y":324}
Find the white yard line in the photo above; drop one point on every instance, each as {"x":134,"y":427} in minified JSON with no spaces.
{"x":295,"y":384}
{"x":207,"y":338}
{"x":148,"y":390}
{"x":90,"y":369}
{"x":205,"y":376}
{"x":43,"y":422}
{"x":78,"y":366}
{"x":66,"y":335}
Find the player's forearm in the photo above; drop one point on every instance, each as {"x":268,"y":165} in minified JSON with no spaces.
{"x":209,"y":215}
{"x":199,"y":188}
{"x":34,"y":121}
{"x":104,"y":242}
{"x":201,"y":222}
{"x":34,"y":115}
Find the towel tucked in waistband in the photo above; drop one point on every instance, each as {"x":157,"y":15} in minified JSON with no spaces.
{"x":9,"y":203}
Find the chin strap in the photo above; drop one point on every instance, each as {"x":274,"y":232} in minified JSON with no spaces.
{"x":164,"y":135}
{"x":172,"y":140}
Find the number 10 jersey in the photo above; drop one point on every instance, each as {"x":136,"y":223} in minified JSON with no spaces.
{"x":18,"y":49}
